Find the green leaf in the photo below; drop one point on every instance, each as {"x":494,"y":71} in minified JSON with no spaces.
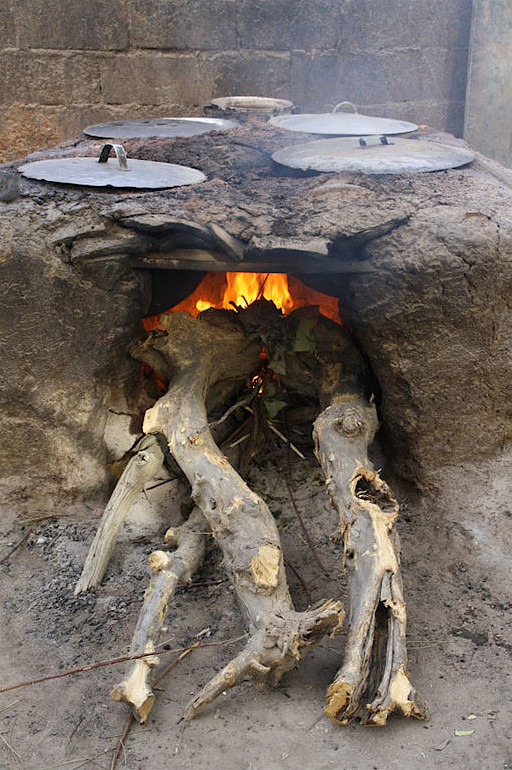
{"x":304,"y":339}
{"x":277,"y":365}
{"x":273,"y":406}
{"x":460,"y":733}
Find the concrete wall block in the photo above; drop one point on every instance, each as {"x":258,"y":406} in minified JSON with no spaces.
{"x":324,"y":79}
{"x":28,"y":128}
{"x":80,"y":24}
{"x":153,"y":79}
{"x":446,"y":115}
{"x":387,"y":24}
{"x":488,"y":119}
{"x":442,"y":114}
{"x":72,"y":120}
{"x":449,"y":72}
{"x":249,"y":73}
{"x":31,"y":78}
{"x":406,"y":74}
{"x":385,"y":54}
{"x":82,"y":79}
{"x":178,"y":25}
{"x":321,"y":81}
{"x":283,"y":25}
{"x":7,"y":25}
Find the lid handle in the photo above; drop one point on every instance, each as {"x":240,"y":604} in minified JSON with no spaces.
{"x":120,"y":155}
{"x":373,"y":141}
{"x":345,"y":104}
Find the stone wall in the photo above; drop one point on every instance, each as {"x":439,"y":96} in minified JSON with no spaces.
{"x":67,"y":63}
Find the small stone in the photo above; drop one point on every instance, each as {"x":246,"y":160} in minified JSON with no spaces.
{"x":227,"y":243}
{"x":9,"y":187}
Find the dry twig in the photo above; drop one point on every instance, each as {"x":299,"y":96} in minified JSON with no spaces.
{"x":115,"y":661}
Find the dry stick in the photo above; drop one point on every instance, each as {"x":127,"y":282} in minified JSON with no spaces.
{"x":175,"y":662}
{"x":262,"y":288}
{"x":301,"y":581}
{"x":294,"y":504}
{"x":14,"y":752}
{"x":81,"y":762}
{"x":38,"y":519}
{"x":15,"y":548}
{"x":114,"y":661}
{"x":229,"y":411}
{"x":131,"y":717}
{"x":252,"y":443}
{"x":283,"y":438}
{"x":235,"y":433}
{"x":10,"y":705}
{"x":169,"y":570}
{"x":301,"y":522}
{"x":142,"y":467}
{"x":120,"y":744}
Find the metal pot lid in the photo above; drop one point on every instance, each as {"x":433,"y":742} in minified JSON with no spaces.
{"x":143,"y":174}
{"x":342,"y":123}
{"x":163,"y":127}
{"x":373,"y":155}
{"x":258,"y":104}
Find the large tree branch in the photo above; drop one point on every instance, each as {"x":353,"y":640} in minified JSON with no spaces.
{"x":199,"y":353}
{"x":373,"y":681}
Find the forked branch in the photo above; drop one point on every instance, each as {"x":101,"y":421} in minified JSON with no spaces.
{"x":199,"y":353}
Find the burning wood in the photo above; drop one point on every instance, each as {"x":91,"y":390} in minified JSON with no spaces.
{"x":206,"y":359}
{"x":229,"y":290}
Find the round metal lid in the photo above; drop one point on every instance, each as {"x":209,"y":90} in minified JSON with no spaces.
{"x":163,"y":127}
{"x":374,"y":155}
{"x":342,"y":123}
{"x":92,"y":172}
{"x":257,"y":104}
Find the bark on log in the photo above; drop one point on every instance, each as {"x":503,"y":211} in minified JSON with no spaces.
{"x":199,"y":352}
{"x":169,"y":570}
{"x":373,"y":681}
{"x":142,"y":467}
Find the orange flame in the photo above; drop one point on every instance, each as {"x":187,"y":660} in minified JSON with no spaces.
{"x":223,"y":290}
{"x":244,"y":288}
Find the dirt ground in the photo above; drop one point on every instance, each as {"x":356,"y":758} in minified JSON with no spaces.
{"x":456,"y":544}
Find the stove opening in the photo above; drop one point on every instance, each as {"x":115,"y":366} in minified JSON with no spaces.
{"x":239,"y":289}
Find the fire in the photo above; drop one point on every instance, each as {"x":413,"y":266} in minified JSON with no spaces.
{"x":226,"y":290}
{"x":244,"y":288}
